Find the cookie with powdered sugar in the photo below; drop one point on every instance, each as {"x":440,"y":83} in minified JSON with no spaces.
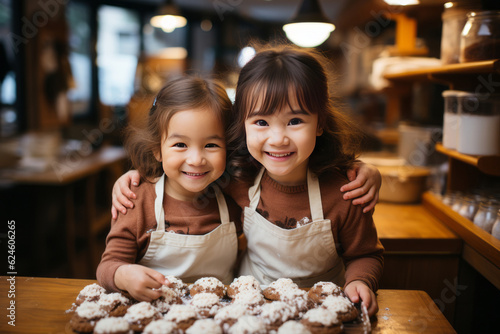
{"x":274,"y":314}
{"x":248,"y":324}
{"x":228,"y":315}
{"x":183,"y":316}
{"x":206,"y":304}
{"x":90,"y":293}
{"x":112,"y":325}
{"x":243,"y":283}
{"x":169,"y":296}
{"x":115,"y":304}
{"x":86,"y":316}
{"x":321,"y":321}
{"x":321,"y":290}
{"x":342,"y":306}
{"x":178,"y":285}
{"x":251,"y":299}
{"x":293,"y":327}
{"x":274,"y":290}
{"x":140,"y":315}
{"x":161,"y":326}
{"x":205,"y":326}
{"x":210,"y":285}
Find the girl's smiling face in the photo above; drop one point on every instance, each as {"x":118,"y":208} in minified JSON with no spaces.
{"x":283,"y":141}
{"x":193,"y":153}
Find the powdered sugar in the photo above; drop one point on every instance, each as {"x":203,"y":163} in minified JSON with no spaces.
{"x":249,"y":298}
{"x":293,"y":327}
{"x":276,"y":312}
{"x":90,"y":310}
{"x":209,"y":283}
{"x":329,"y":288}
{"x":180,"y":313}
{"x":282,"y":284}
{"x":246,"y":282}
{"x":337,"y":304}
{"x":161,"y":326}
{"x":248,"y":324}
{"x":112,"y":299}
{"x":233,"y":311}
{"x":140,"y":311}
{"x":205,"y":326}
{"x":111,"y":325}
{"x":322,"y":316}
{"x":204,"y":300}
{"x":92,"y":291}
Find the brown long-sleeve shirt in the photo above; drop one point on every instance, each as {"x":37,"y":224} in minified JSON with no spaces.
{"x":128,"y":239}
{"x":354,"y":232}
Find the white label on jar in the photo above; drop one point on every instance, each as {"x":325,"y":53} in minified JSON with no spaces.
{"x":479,"y":135}
{"x":450,"y":130}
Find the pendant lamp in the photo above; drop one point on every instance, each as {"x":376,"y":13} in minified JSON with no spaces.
{"x":168,"y":18}
{"x":310,"y":27}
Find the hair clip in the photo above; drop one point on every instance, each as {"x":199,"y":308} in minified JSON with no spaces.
{"x":154,"y":102}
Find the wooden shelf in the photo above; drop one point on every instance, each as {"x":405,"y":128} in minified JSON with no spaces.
{"x":481,"y":241}
{"x":457,"y":76}
{"x":488,"y":164}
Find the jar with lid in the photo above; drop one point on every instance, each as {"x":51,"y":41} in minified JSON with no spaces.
{"x":486,"y":215}
{"x":496,"y":227}
{"x":479,"y":124}
{"x":480,"y":39}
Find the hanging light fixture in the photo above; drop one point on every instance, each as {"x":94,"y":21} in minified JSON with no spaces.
{"x":402,"y":2}
{"x":168,"y":18}
{"x":310,"y":27}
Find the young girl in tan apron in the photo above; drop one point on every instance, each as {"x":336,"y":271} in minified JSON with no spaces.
{"x":182,"y":152}
{"x":294,"y":145}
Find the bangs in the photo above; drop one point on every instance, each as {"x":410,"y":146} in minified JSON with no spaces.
{"x":274,"y":95}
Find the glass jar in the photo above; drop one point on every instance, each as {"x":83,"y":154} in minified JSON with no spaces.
{"x":479,"y":124}
{"x":454,"y":18}
{"x":486,"y":215}
{"x":468,"y":208}
{"x":496,"y":227}
{"x":451,"y":118}
{"x":480,"y":39}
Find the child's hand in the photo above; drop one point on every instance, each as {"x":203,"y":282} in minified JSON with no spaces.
{"x":139,"y":281}
{"x":122,"y":194}
{"x":358,"y":291}
{"x":364,"y":186}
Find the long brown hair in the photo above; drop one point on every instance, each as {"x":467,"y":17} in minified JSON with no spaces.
{"x":273,"y":74}
{"x":179,"y":93}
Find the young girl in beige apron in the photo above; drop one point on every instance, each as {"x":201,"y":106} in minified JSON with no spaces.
{"x":305,"y":254}
{"x":192,"y":256}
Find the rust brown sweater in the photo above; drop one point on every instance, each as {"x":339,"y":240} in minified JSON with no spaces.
{"x":353,"y":231}
{"x":128,"y":239}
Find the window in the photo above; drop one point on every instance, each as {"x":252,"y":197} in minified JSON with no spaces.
{"x":8,"y":114}
{"x":80,"y":58}
{"x":118,"y":50}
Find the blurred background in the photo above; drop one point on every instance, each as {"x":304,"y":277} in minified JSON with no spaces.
{"x":74,"y":73}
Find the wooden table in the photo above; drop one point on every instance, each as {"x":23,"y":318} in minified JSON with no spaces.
{"x":41,"y":304}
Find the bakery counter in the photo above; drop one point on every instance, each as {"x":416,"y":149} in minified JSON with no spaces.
{"x":421,"y":253}
{"x":38,"y":305}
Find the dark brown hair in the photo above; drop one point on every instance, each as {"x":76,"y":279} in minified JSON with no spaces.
{"x":178,"y":94}
{"x":274,"y":73}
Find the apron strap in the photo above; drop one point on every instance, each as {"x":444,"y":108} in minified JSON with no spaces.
{"x":223,"y":210}
{"x":314,"y":192}
{"x":159,"y":213}
{"x":254,"y":191}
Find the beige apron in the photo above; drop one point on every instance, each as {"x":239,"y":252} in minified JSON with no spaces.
{"x":190,"y":257}
{"x":306,"y":254}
